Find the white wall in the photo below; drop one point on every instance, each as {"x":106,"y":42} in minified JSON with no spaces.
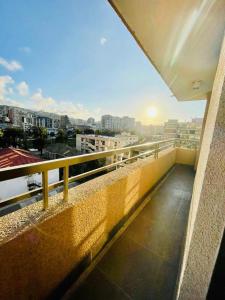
{"x":13,"y":187}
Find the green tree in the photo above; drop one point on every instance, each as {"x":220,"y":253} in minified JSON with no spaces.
{"x":61,"y":136}
{"x":13,"y":137}
{"x":1,"y":137}
{"x":88,"y":131}
{"x":52,"y":135}
{"x":40,"y":135}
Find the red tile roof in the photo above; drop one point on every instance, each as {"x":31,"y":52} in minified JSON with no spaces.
{"x":10,"y":157}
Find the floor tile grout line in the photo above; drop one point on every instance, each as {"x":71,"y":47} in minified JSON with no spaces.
{"x":151,"y":252}
{"x":114,"y":283}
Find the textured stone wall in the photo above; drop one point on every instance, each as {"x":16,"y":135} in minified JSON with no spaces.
{"x":39,"y":249}
{"x":207,"y":214}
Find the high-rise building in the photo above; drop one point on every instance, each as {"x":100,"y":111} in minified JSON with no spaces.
{"x":113,"y":123}
{"x":65,"y":121}
{"x":107,"y":122}
{"x":90,"y":121}
{"x":127,"y":123}
{"x":171,"y":128}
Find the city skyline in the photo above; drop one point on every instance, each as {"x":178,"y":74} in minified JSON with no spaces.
{"x":50,"y":114}
{"x":55,"y":62}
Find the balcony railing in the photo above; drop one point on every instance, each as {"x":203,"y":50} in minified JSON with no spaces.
{"x":132,"y":153}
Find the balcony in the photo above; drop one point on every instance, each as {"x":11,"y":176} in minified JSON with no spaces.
{"x":143,"y":263}
{"x":120,"y":225}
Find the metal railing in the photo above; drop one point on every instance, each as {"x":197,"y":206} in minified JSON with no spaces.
{"x":132,"y":153}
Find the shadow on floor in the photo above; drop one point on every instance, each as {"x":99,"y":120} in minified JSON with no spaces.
{"x":144,"y":262}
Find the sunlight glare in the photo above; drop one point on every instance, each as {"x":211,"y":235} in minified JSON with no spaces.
{"x":152,"y":112}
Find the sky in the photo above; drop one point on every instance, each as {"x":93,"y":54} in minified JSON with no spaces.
{"x":76,"y":57}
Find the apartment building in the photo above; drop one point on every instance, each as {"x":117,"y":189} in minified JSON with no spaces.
{"x":113,"y":123}
{"x":190,"y":130}
{"x":25,"y":119}
{"x":171,"y":128}
{"x":91,"y":121}
{"x":183,"y":130}
{"x":88,"y":143}
{"x":127,"y":123}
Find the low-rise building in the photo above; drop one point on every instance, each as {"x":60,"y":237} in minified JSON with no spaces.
{"x":88,"y":143}
{"x":92,"y":143}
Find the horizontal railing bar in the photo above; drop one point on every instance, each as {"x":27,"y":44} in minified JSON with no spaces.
{"x":165,"y":147}
{"x":19,"y":171}
{"x":54,"y":185}
{"x":20,"y":197}
{"x":27,"y":195}
{"x":95,"y":171}
{"x":182,"y":139}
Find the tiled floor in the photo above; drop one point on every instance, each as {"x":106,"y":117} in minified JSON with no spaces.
{"x":143,"y":263}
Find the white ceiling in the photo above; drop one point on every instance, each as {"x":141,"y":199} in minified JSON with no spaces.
{"x":182,"y":38}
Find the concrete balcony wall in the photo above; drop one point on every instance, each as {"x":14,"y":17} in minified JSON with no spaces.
{"x":39,"y":249}
{"x":186,"y":156}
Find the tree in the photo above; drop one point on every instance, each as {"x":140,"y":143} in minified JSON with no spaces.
{"x":40,"y":135}
{"x":52,"y":135}
{"x":1,"y":137}
{"x":25,"y":143}
{"x":105,"y":132}
{"x":13,"y":137}
{"x":61,"y":136}
{"x":88,"y":131}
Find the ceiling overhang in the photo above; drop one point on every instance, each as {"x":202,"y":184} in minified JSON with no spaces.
{"x":182,"y":39}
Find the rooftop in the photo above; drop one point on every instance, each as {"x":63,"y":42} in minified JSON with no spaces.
{"x":10,"y":157}
{"x":116,"y":137}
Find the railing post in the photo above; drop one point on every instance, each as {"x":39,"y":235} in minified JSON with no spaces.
{"x":174,"y":143}
{"x":66,"y":182}
{"x":156,"y":151}
{"x":131,"y":153}
{"x":45,"y":189}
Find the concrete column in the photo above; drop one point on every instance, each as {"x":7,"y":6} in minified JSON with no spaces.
{"x":203,"y":128}
{"x":207,"y":213}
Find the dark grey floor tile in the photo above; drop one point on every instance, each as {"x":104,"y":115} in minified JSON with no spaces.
{"x":156,"y":238}
{"x":98,"y":287}
{"x":166,"y":284}
{"x":133,"y":268}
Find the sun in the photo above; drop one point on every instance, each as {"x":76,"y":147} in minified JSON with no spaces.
{"x":152,"y":112}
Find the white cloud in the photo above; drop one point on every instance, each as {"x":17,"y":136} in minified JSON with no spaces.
{"x":26,"y":50}
{"x":49,"y":104}
{"x":5,"y":88}
{"x":12,"y":65}
{"x":23,"y":88}
{"x":42,"y":103}
{"x":103,"y":41}
{"x":38,"y":101}
{"x":71,"y":109}
{"x":10,"y":90}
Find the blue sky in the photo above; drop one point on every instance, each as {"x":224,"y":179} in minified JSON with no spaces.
{"x":77,"y":57}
